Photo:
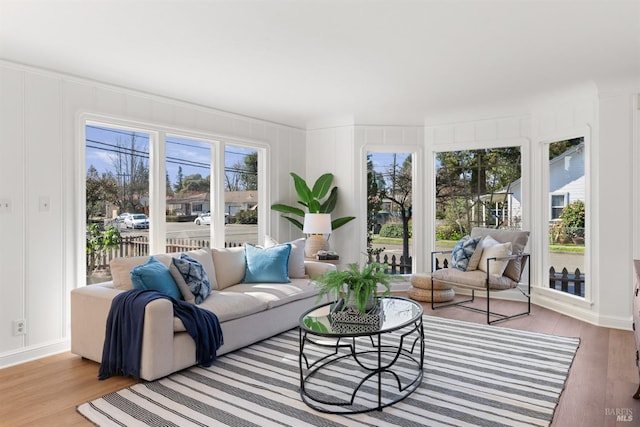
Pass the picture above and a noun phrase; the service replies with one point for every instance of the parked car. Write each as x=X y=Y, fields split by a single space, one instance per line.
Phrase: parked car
x=203 y=218
x=136 y=221
x=122 y=216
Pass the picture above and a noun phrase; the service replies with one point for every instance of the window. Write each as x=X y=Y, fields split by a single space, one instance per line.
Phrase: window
x=566 y=228
x=150 y=191
x=117 y=196
x=241 y=194
x=558 y=202
x=390 y=209
x=476 y=188
x=188 y=193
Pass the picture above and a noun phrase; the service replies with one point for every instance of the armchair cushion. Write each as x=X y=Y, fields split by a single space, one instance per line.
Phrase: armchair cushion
x=518 y=241
x=471 y=279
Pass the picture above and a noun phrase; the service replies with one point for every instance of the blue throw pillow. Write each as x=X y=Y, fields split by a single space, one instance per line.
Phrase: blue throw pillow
x=267 y=265
x=463 y=251
x=155 y=275
x=194 y=275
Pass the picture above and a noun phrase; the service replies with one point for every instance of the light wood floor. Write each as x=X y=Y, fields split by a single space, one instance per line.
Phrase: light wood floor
x=602 y=380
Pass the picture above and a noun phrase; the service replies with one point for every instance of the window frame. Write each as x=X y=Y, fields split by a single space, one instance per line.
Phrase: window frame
x=157 y=180
x=565 y=202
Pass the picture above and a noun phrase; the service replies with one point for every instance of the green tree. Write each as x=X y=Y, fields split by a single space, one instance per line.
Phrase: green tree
x=398 y=191
x=249 y=176
x=100 y=190
x=474 y=182
x=195 y=184
x=177 y=187
x=374 y=205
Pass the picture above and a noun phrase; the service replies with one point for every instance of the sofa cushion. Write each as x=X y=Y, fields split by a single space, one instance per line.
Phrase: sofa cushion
x=470 y=279
x=490 y=249
x=296 y=258
x=518 y=241
x=194 y=276
x=154 y=275
x=277 y=294
x=463 y=252
x=228 y=305
x=231 y=266
x=121 y=269
x=267 y=265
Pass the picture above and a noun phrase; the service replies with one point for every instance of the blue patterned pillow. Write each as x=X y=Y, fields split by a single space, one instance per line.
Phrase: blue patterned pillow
x=194 y=275
x=463 y=251
x=267 y=265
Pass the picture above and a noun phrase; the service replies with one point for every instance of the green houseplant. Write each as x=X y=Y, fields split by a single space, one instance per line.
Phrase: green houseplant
x=357 y=286
x=312 y=199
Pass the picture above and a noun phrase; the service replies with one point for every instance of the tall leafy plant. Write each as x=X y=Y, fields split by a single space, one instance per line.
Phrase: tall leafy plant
x=313 y=199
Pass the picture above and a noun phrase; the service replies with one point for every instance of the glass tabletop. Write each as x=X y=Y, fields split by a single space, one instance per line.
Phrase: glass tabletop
x=395 y=313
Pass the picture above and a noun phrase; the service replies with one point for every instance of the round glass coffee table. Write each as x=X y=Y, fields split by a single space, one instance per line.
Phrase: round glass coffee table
x=348 y=367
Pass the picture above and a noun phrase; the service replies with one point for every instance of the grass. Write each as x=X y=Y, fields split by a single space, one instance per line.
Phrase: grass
x=569 y=247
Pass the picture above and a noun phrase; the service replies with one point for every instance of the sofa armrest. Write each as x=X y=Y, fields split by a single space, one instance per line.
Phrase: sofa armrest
x=313 y=268
x=90 y=306
x=157 y=340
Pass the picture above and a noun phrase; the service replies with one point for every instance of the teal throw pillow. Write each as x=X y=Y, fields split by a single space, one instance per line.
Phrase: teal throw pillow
x=267 y=265
x=194 y=276
x=463 y=251
x=154 y=275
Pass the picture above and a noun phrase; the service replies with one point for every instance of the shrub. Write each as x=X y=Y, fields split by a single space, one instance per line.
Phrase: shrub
x=572 y=218
x=247 y=217
x=393 y=230
x=448 y=232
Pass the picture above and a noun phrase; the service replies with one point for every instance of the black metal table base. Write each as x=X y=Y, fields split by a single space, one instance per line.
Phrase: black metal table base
x=387 y=366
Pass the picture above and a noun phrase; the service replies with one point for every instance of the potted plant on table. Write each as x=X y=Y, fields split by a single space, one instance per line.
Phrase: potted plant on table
x=357 y=287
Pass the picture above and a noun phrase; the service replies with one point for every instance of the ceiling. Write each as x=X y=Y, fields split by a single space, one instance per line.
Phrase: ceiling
x=306 y=62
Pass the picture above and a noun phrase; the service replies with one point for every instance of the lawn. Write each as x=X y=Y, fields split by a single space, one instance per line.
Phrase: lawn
x=569 y=247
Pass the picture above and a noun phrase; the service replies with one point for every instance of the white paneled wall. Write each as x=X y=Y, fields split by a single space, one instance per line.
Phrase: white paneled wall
x=39 y=162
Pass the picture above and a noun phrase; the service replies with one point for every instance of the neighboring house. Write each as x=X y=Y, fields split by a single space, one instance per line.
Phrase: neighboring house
x=194 y=204
x=566 y=180
x=237 y=201
x=566 y=185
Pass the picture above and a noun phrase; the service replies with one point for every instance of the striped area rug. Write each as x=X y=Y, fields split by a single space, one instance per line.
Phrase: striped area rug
x=474 y=375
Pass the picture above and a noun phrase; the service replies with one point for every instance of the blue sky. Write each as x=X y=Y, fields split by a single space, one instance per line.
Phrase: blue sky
x=192 y=155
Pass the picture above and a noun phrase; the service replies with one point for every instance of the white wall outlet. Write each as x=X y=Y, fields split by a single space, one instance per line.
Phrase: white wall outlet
x=44 y=203
x=5 y=205
x=19 y=327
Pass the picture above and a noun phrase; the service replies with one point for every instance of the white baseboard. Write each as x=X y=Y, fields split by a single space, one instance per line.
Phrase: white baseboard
x=27 y=354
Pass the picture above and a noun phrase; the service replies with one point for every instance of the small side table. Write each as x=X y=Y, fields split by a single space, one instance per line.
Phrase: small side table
x=420 y=289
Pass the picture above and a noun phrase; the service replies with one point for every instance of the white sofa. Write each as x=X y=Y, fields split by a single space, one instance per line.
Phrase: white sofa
x=248 y=312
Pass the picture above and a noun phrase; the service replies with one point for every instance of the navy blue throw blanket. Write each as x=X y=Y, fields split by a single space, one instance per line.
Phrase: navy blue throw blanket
x=122 y=349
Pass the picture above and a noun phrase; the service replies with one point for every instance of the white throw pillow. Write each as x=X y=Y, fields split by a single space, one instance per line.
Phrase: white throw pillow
x=296 y=258
x=490 y=249
x=230 y=266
